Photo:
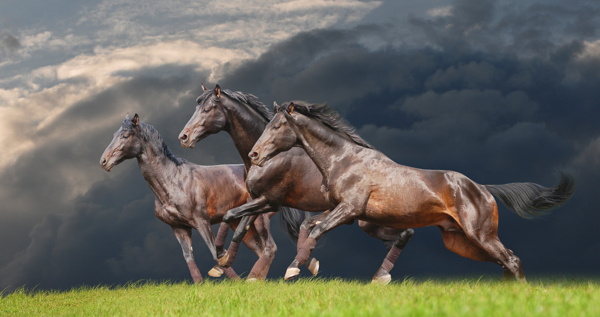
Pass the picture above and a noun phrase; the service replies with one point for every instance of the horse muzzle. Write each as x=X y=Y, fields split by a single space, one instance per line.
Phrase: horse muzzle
x=256 y=159
x=106 y=165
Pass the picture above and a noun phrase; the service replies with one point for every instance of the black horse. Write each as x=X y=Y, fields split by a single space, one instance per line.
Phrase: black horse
x=188 y=195
x=365 y=184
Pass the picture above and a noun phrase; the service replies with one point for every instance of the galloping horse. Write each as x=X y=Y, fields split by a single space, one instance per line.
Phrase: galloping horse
x=365 y=184
x=290 y=179
x=188 y=195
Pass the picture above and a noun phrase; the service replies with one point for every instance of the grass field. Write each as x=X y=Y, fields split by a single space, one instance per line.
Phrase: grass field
x=317 y=297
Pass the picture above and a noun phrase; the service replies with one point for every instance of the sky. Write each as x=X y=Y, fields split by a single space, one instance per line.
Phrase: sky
x=501 y=91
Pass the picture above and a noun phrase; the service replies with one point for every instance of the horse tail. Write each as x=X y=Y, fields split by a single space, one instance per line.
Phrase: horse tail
x=291 y=220
x=530 y=200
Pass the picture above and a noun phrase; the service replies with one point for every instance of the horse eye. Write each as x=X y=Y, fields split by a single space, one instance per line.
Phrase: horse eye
x=276 y=127
x=206 y=109
x=125 y=136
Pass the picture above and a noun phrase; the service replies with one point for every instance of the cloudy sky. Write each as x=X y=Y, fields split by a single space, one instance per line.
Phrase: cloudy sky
x=501 y=91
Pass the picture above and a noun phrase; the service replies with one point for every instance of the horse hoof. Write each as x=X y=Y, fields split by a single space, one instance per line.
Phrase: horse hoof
x=313 y=267
x=291 y=273
x=251 y=279
x=223 y=260
x=215 y=272
x=382 y=280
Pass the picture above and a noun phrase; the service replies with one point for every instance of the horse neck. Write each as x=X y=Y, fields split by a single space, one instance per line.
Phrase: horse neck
x=157 y=168
x=324 y=146
x=245 y=126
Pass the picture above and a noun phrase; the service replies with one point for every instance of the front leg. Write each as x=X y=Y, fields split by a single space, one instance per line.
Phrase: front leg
x=184 y=236
x=343 y=213
x=254 y=207
x=307 y=225
x=205 y=230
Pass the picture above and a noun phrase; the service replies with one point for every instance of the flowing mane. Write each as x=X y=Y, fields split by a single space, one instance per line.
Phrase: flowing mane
x=245 y=98
x=328 y=117
x=150 y=135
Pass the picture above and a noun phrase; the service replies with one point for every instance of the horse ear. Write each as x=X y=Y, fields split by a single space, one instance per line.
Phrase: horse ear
x=136 y=120
x=127 y=117
x=291 y=108
x=218 y=91
x=275 y=106
x=203 y=88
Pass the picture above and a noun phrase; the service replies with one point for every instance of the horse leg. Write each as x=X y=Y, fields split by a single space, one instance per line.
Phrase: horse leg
x=479 y=241
x=394 y=239
x=218 y=269
x=307 y=225
x=252 y=207
x=343 y=213
x=261 y=267
x=184 y=236
x=242 y=229
x=206 y=232
x=460 y=244
x=220 y=240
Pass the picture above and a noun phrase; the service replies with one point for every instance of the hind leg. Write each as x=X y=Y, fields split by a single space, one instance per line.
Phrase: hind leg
x=394 y=239
x=488 y=249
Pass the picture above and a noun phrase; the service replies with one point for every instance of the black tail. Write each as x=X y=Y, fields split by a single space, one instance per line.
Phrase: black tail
x=291 y=220
x=530 y=200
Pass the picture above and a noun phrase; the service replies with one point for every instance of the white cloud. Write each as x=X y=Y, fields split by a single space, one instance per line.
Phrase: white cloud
x=591 y=51
x=119 y=37
x=440 y=11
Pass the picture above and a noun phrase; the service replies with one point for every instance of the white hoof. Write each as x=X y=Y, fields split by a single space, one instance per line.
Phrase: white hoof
x=291 y=272
x=251 y=279
x=382 y=280
x=224 y=259
x=313 y=266
x=215 y=272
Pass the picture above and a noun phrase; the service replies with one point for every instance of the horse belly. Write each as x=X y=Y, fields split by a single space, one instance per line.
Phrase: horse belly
x=409 y=210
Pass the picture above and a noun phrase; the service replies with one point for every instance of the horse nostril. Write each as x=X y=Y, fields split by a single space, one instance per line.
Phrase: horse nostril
x=253 y=155
x=104 y=161
x=184 y=137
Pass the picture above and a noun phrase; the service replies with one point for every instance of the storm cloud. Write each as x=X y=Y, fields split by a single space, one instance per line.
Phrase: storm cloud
x=8 y=44
x=501 y=93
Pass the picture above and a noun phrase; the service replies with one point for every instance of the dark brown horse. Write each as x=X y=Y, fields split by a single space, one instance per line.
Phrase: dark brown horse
x=290 y=179
x=365 y=184
x=188 y=195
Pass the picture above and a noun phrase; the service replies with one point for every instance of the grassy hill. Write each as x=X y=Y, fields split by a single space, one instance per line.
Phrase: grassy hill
x=316 y=297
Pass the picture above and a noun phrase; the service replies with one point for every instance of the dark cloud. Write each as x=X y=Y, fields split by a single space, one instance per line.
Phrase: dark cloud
x=494 y=96
x=8 y=44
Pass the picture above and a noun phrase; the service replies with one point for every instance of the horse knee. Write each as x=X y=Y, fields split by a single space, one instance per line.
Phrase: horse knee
x=404 y=238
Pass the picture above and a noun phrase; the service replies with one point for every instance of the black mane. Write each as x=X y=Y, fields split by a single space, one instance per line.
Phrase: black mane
x=248 y=99
x=149 y=134
x=328 y=117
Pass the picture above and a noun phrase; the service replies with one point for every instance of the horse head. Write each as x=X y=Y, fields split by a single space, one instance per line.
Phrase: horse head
x=126 y=144
x=209 y=118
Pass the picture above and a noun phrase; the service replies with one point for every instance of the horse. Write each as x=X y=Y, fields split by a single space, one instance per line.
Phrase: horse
x=290 y=179
x=365 y=184
x=189 y=196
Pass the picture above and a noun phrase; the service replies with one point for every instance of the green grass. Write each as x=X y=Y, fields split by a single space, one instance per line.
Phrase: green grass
x=316 y=297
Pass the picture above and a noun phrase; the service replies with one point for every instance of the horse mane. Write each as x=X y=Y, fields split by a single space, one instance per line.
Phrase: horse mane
x=149 y=134
x=328 y=117
x=245 y=98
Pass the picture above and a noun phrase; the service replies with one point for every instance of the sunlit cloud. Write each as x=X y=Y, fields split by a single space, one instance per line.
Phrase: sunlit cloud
x=440 y=11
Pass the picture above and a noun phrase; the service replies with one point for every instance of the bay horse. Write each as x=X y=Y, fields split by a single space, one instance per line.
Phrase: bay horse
x=290 y=179
x=190 y=196
x=365 y=184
